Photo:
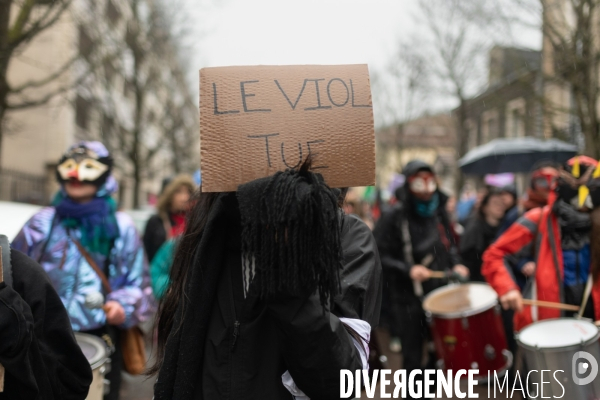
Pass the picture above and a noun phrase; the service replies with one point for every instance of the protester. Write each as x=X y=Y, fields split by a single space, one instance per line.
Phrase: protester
x=480 y=232
x=565 y=237
x=41 y=358
x=452 y=214
x=543 y=177
x=414 y=239
x=160 y=267
x=511 y=205
x=82 y=230
x=169 y=221
x=465 y=204
x=353 y=204
x=254 y=310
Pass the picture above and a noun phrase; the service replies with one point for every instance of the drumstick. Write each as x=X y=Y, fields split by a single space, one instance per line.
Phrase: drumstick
x=439 y=274
x=1 y=366
x=550 y=304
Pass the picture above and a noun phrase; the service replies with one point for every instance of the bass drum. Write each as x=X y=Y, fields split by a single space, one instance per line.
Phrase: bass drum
x=566 y=344
x=467 y=329
x=97 y=355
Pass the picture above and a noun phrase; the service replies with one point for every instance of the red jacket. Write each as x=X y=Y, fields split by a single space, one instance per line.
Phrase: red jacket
x=539 y=225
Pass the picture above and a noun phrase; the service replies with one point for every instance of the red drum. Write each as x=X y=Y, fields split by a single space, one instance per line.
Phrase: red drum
x=467 y=329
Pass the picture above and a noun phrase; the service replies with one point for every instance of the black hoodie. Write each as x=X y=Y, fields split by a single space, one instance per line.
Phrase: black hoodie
x=37 y=346
x=429 y=236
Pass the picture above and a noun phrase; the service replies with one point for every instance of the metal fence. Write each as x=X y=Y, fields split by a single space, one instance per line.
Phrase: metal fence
x=22 y=187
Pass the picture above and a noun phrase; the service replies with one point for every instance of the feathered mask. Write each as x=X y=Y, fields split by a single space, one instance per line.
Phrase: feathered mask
x=579 y=183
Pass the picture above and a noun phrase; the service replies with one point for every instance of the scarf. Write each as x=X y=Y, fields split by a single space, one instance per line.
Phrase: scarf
x=427 y=209
x=96 y=220
x=575 y=226
x=177 y=224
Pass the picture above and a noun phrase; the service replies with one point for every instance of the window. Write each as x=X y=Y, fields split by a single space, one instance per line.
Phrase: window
x=86 y=45
x=515 y=118
x=82 y=112
x=471 y=131
x=489 y=126
x=516 y=123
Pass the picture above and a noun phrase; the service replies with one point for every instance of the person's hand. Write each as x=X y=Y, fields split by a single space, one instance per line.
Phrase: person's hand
x=461 y=270
x=115 y=313
x=420 y=273
x=512 y=300
x=528 y=269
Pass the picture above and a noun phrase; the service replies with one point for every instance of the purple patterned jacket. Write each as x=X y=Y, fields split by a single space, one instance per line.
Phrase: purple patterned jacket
x=76 y=281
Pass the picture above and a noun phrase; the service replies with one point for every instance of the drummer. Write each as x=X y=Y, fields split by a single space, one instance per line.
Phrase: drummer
x=562 y=243
x=414 y=239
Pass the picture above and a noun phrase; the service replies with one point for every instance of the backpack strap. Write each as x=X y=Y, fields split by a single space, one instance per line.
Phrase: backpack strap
x=6 y=265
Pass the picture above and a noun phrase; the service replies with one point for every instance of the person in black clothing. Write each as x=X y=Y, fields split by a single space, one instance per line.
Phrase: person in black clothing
x=414 y=239
x=511 y=205
x=172 y=207
x=273 y=291
x=480 y=232
x=37 y=347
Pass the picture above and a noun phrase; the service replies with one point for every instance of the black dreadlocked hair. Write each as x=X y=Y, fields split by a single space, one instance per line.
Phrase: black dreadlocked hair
x=291 y=233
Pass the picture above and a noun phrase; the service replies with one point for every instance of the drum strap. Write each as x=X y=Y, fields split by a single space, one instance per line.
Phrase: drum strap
x=534 y=309
x=6 y=264
x=536 y=253
x=408 y=254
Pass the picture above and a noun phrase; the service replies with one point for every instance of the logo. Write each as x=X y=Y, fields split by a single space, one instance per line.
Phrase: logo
x=580 y=368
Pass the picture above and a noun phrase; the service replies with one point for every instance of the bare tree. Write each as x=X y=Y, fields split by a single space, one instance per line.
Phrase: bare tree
x=32 y=18
x=156 y=75
x=455 y=48
x=571 y=30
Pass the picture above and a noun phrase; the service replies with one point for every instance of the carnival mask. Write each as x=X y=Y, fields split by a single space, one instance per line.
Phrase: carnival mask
x=84 y=165
x=579 y=183
x=422 y=185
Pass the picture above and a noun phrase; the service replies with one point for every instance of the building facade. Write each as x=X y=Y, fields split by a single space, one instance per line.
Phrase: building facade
x=429 y=138
x=99 y=41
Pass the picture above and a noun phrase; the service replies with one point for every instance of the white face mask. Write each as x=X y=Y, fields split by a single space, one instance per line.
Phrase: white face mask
x=423 y=186
x=87 y=170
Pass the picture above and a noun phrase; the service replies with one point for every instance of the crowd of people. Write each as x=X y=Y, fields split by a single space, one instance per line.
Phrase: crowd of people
x=257 y=284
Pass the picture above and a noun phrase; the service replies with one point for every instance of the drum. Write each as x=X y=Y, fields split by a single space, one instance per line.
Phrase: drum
x=566 y=344
x=96 y=353
x=466 y=325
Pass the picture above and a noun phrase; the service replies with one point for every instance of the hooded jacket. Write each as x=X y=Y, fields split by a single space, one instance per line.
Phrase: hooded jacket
x=538 y=227
x=158 y=227
x=37 y=347
x=429 y=236
x=43 y=238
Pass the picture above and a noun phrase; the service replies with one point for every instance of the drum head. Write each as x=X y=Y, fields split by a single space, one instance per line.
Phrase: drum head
x=456 y=301
x=558 y=333
x=93 y=348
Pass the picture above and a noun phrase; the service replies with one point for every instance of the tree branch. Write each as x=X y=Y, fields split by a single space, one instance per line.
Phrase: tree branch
x=46 y=80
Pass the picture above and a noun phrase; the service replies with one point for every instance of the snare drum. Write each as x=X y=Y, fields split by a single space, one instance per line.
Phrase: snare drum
x=94 y=349
x=467 y=330
x=554 y=344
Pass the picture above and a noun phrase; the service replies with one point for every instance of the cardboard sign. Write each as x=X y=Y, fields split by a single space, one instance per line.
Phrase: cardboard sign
x=255 y=121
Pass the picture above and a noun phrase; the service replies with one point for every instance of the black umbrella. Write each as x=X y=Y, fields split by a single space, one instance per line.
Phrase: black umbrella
x=514 y=155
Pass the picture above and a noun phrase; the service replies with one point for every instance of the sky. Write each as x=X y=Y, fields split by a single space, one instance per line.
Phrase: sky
x=251 y=32
x=280 y=32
